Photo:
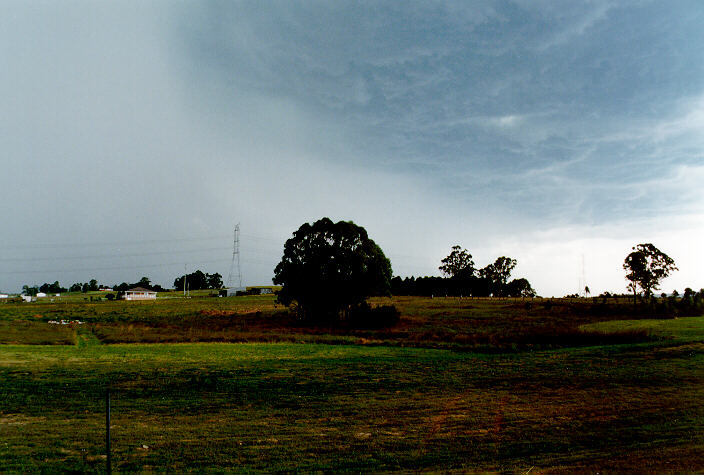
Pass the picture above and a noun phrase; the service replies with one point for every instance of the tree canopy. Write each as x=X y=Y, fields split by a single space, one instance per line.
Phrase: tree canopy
x=646 y=266
x=329 y=268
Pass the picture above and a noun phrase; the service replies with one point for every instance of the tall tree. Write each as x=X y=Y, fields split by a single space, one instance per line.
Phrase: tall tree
x=458 y=263
x=329 y=268
x=646 y=266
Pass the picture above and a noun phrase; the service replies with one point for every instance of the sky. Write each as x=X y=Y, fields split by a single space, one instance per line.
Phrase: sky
x=134 y=136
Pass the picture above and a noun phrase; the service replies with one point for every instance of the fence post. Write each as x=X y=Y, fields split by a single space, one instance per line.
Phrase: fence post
x=107 y=429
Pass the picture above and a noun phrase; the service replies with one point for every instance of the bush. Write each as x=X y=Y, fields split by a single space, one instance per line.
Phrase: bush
x=110 y=296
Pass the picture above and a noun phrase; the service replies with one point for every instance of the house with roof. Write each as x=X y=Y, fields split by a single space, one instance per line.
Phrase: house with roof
x=140 y=293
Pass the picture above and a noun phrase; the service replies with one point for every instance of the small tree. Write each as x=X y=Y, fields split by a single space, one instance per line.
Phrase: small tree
x=520 y=288
x=27 y=290
x=214 y=281
x=329 y=268
x=93 y=285
x=646 y=267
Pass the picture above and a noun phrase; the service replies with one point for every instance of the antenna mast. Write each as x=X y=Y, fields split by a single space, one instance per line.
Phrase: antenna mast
x=235 y=257
x=583 y=287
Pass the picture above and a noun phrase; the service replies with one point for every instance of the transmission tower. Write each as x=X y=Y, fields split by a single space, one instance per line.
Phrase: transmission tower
x=235 y=257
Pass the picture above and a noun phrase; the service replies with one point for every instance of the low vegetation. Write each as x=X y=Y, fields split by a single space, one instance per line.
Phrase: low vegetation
x=479 y=324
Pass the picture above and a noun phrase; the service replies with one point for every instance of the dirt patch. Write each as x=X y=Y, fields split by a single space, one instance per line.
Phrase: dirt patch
x=11 y=362
x=218 y=313
x=19 y=420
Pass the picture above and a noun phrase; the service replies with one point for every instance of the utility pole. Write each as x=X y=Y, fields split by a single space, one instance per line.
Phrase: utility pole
x=185 y=276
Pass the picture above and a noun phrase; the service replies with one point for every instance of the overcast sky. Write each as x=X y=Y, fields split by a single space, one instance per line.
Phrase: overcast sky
x=135 y=135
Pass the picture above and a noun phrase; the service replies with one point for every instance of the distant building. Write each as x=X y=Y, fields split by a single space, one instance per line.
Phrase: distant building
x=4 y=296
x=233 y=291
x=41 y=294
x=140 y=293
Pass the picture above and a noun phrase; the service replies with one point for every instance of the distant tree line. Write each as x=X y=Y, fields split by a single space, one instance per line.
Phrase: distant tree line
x=199 y=280
x=461 y=278
x=144 y=282
x=195 y=281
x=47 y=288
x=90 y=286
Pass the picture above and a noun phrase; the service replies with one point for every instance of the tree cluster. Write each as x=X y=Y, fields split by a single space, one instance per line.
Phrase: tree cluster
x=91 y=286
x=46 y=287
x=198 y=281
x=463 y=279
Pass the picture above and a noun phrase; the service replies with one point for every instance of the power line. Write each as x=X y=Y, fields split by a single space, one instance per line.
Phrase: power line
x=93 y=269
x=107 y=256
x=44 y=245
x=114 y=243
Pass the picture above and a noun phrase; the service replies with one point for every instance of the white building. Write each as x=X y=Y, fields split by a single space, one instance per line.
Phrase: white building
x=139 y=293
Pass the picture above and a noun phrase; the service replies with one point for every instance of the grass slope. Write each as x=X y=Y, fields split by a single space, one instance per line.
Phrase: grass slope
x=320 y=407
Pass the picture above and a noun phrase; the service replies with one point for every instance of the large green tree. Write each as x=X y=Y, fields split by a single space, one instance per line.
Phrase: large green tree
x=458 y=263
x=328 y=268
x=646 y=266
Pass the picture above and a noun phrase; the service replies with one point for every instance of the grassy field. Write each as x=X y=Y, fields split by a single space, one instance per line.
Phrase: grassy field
x=372 y=401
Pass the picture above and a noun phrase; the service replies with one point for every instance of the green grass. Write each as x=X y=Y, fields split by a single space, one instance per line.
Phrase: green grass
x=679 y=329
x=319 y=407
x=385 y=403
x=24 y=332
